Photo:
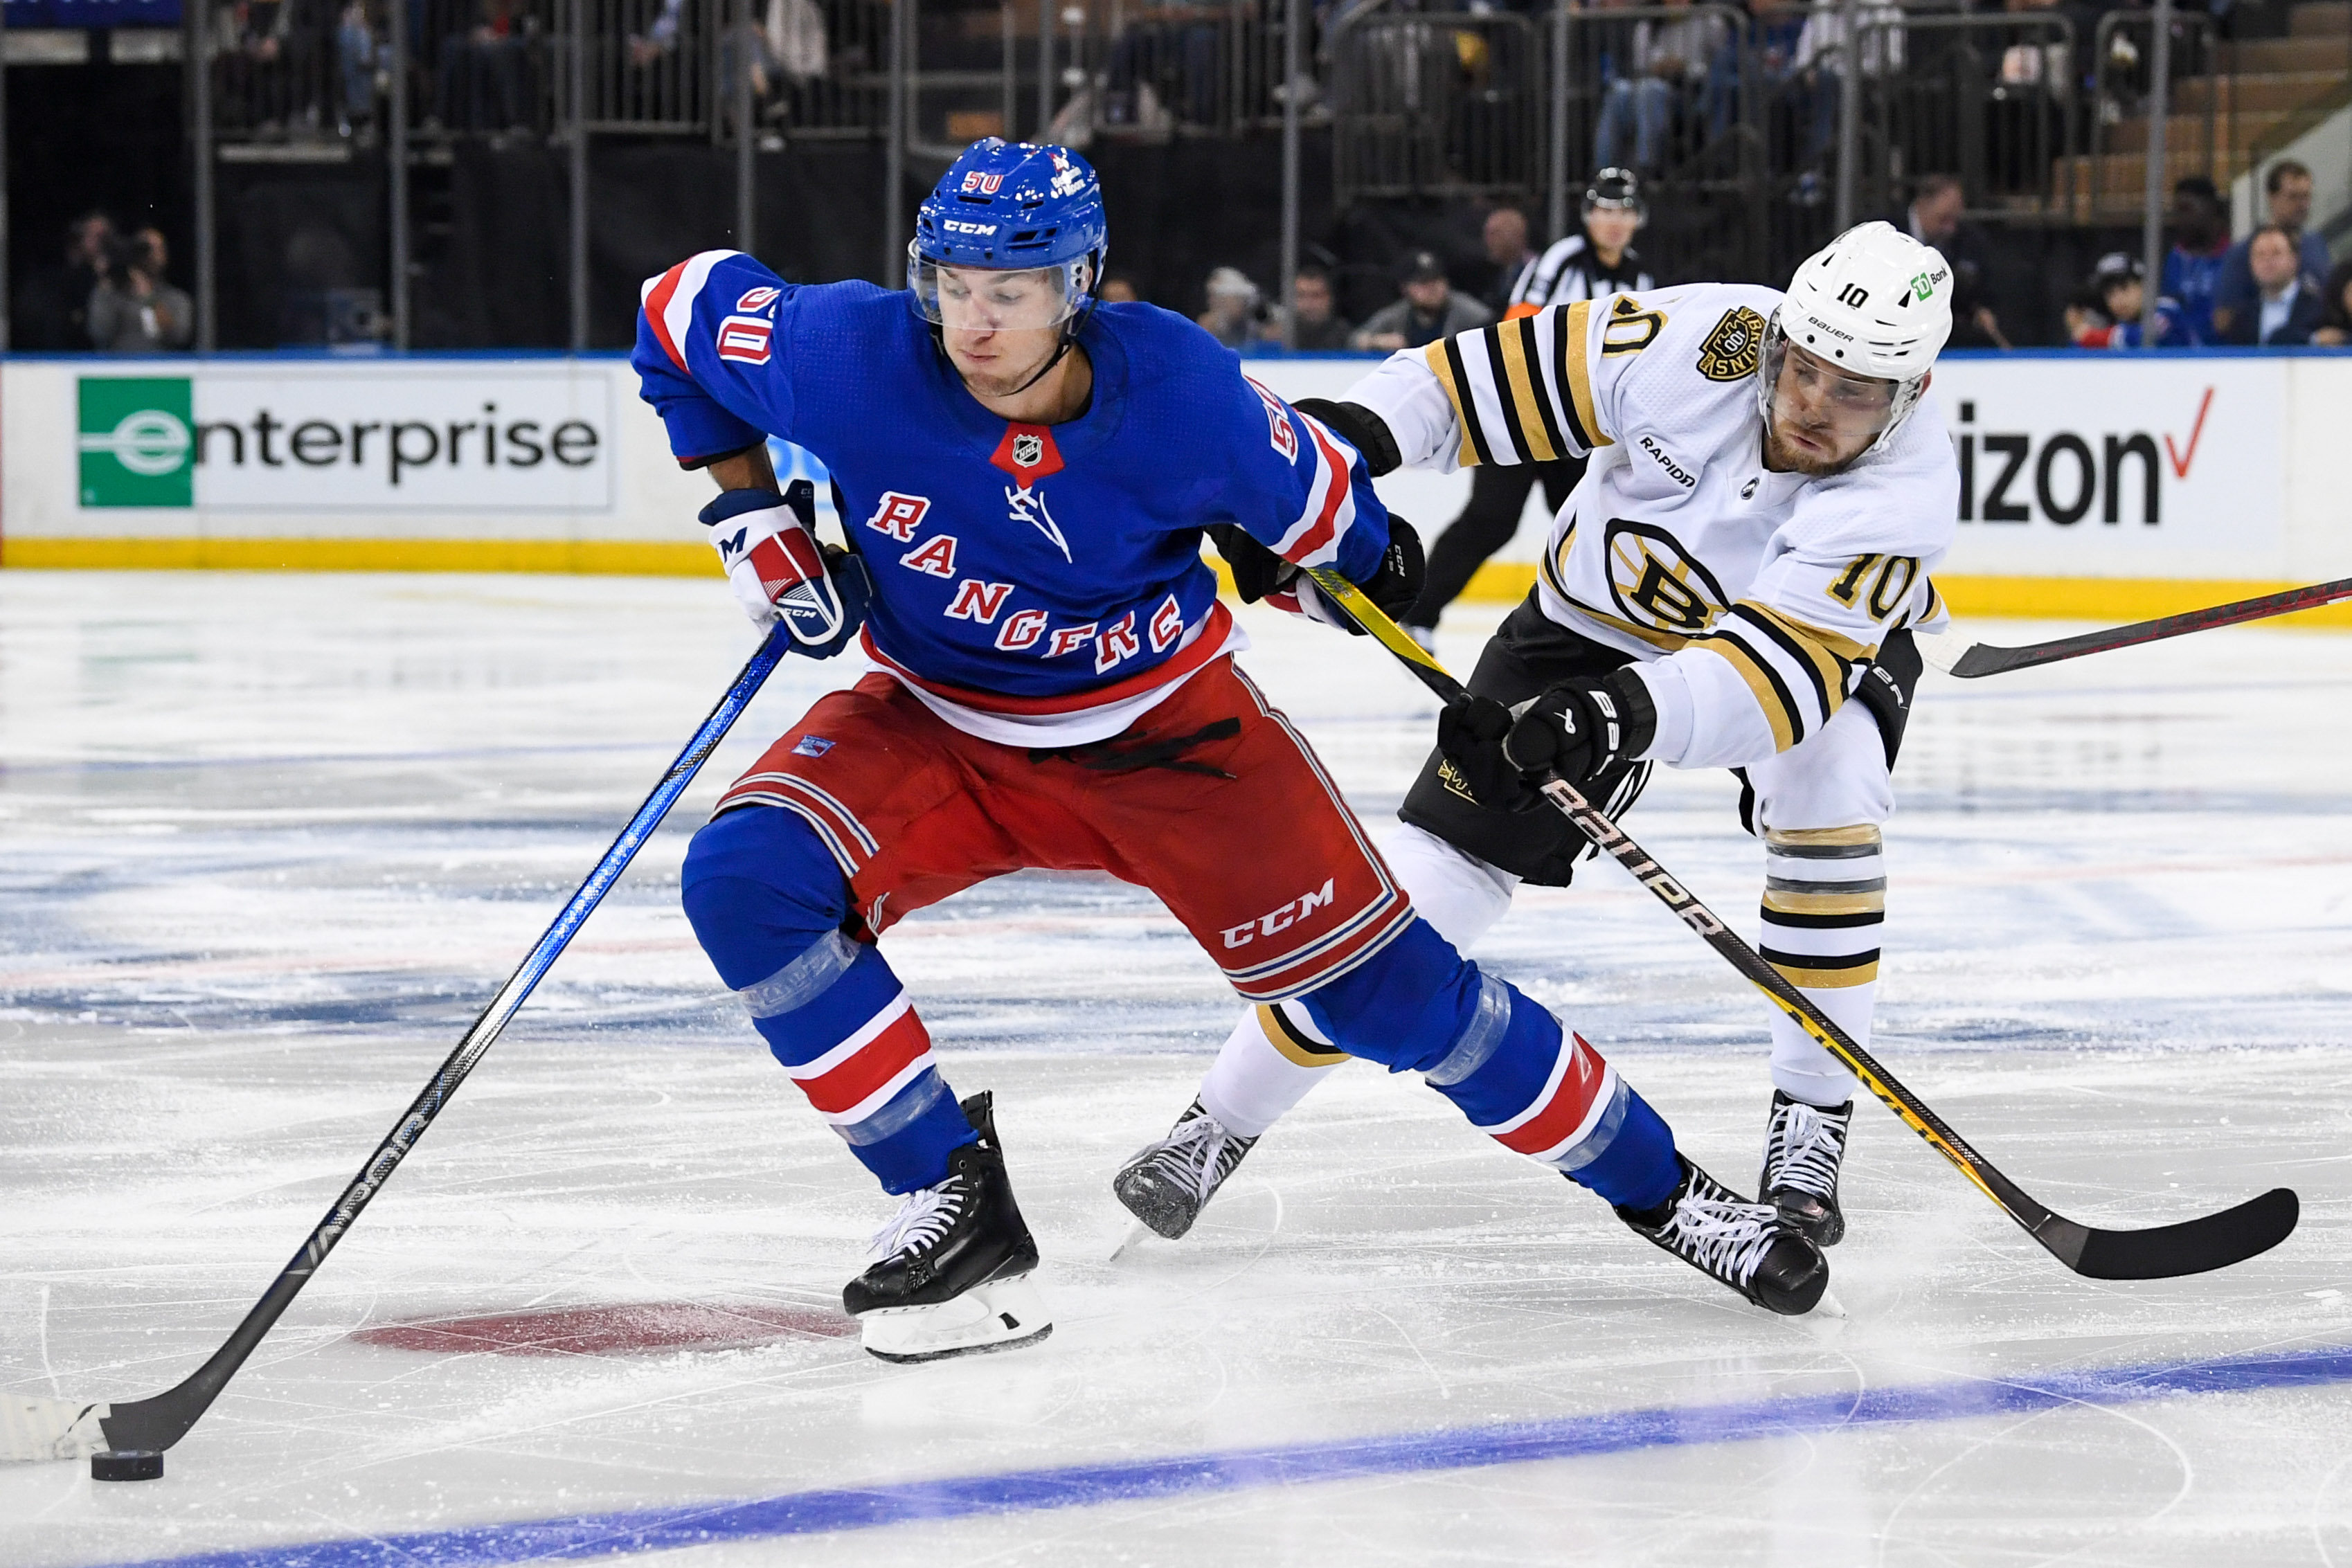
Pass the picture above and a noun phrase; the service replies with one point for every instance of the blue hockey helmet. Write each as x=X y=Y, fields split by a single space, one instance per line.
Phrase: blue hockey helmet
x=1012 y=206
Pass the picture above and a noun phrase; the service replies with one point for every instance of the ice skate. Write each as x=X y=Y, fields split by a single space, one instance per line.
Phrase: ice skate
x=952 y=1270
x=1748 y=1246
x=1167 y=1184
x=1803 y=1145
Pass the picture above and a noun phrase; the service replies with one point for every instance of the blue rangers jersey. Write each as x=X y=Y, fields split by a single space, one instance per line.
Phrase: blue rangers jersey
x=1034 y=585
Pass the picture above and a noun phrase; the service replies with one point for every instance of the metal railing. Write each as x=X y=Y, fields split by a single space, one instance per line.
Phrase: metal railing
x=2123 y=58
x=1451 y=102
x=1756 y=138
x=1991 y=98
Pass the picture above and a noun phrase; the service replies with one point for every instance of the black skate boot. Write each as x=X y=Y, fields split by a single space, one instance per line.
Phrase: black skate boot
x=1803 y=1145
x=1170 y=1182
x=1748 y=1246
x=953 y=1277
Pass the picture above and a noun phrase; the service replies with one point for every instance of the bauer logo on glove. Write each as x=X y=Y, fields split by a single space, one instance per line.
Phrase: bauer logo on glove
x=778 y=571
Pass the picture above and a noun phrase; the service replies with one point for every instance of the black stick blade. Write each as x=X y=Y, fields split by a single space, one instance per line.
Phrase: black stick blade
x=2192 y=1247
x=1986 y=660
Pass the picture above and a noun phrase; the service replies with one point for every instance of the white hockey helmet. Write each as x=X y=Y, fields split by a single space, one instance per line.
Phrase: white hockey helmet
x=1873 y=302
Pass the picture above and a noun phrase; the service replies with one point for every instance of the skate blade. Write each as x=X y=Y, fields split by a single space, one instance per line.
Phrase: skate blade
x=999 y=1315
x=1136 y=1232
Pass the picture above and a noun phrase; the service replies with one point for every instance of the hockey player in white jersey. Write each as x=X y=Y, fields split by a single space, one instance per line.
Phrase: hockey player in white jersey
x=1595 y=262
x=1732 y=585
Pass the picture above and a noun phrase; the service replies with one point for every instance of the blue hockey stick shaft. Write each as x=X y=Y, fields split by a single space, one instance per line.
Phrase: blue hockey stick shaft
x=160 y=1422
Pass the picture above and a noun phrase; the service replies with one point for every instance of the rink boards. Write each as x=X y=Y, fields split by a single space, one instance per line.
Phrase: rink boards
x=2093 y=485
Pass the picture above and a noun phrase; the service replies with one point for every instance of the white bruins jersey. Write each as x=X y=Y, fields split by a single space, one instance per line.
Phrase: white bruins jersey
x=1753 y=599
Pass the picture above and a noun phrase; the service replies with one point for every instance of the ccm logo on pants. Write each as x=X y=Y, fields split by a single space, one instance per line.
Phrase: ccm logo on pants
x=1280 y=918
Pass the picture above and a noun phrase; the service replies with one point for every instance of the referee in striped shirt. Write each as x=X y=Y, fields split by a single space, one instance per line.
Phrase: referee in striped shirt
x=1598 y=261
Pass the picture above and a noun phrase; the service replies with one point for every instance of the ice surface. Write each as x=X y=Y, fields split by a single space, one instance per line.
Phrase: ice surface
x=267 y=842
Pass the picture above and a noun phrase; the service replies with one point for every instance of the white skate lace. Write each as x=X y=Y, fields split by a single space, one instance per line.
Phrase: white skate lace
x=1726 y=1236
x=1199 y=1154
x=1803 y=1150
x=929 y=1213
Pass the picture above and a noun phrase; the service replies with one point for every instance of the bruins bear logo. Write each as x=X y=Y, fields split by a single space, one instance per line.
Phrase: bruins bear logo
x=1730 y=350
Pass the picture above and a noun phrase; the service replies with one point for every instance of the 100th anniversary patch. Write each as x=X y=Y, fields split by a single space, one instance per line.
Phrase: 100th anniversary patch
x=1731 y=350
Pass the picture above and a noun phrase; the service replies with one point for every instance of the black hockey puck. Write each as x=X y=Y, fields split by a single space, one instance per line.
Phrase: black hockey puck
x=127 y=1465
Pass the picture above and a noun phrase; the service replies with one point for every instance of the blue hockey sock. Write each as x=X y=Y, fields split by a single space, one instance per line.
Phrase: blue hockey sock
x=1504 y=1062
x=767 y=901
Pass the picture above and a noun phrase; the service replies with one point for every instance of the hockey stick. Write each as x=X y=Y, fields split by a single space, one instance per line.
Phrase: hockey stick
x=2192 y=1247
x=45 y=1429
x=1969 y=659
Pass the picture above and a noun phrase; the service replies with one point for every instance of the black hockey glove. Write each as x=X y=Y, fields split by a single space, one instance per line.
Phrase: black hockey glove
x=1259 y=573
x=1257 y=570
x=1574 y=730
x=1396 y=587
x=1360 y=428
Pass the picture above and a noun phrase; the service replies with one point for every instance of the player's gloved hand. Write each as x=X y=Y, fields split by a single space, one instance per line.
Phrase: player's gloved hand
x=768 y=544
x=1360 y=428
x=1259 y=573
x=1395 y=587
x=1575 y=730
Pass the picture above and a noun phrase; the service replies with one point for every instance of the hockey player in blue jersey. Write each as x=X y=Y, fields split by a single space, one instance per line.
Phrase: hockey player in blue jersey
x=1026 y=479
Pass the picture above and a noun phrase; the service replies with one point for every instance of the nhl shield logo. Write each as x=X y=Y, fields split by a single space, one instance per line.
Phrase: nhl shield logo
x=1027 y=453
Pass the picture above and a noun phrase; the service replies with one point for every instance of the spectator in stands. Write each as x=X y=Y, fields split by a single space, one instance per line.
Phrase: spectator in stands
x=52 y=304
x=1668 y=60
x=2200 y=237
x=1934 y=218
x=481 y=85
x=2287 y=306
x=1322 y=328
x=1231 y=316
x=133 y=309
x=2119 y=284
x=1119 y=288
x=1431 y=308
x=1506 y=237
x=2335 y=328
x=274 y=63
x=355 y=58
x=2288 y=188
x=1819 y=65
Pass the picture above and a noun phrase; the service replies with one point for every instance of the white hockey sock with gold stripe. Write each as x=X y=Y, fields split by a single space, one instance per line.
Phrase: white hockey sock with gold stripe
x=1824 y=904
x=1275 y=1055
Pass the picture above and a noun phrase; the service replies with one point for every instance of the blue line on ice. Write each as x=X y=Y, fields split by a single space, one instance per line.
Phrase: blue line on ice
x=1293 y=1464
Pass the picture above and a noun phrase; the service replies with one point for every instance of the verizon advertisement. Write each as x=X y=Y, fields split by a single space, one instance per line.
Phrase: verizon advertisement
x=2103 y=466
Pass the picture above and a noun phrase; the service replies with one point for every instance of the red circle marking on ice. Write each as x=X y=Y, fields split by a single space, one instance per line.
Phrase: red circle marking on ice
x=621 y=1328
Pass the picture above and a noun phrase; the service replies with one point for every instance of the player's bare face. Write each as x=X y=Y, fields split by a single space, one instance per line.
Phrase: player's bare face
x=1000 y=328
x=1823 y=418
